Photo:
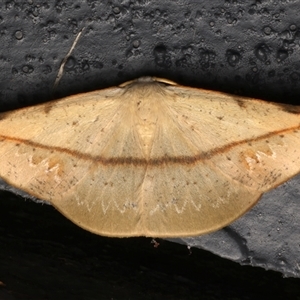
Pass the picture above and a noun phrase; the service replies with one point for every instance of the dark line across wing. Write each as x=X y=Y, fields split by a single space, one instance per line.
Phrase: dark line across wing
x=185 y=160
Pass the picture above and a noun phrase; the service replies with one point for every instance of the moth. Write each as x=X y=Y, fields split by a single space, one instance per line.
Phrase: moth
x=150 y=157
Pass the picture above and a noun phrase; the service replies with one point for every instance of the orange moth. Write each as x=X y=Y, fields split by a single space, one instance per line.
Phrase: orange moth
x=150 y=157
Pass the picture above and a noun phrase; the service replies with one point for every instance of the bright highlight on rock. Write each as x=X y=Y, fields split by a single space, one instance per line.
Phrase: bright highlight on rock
x=150 y=158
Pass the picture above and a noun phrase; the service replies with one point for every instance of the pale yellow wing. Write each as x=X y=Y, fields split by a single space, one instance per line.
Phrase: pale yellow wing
x=229 y=150
x=150 y=158
x=64 y=152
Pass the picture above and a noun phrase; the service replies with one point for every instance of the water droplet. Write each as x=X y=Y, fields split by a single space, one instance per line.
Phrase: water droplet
x=294 y=76
x=51 y=34
x=251 y=11
x=14 y=71
x=207 y=58
x=233 y=57
x=35 y=11
x=286 y=35
x=116 y=10
x=262 y=52
x=9 y=5
x=29 y=57
x=233 y=21
x=286 y=45
x=282 y=55
x=70 y=63
x=293 y=27
x=230 y=19
x=27 y=69
x=18 y=34
x=85 y=65
x=162 y=59
x=73 y=25
x=136 y=43
x=211 y=23
x=47 y=69
x=60 y=5
x=260 y=216
x=267 y=30
x=111 y=18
